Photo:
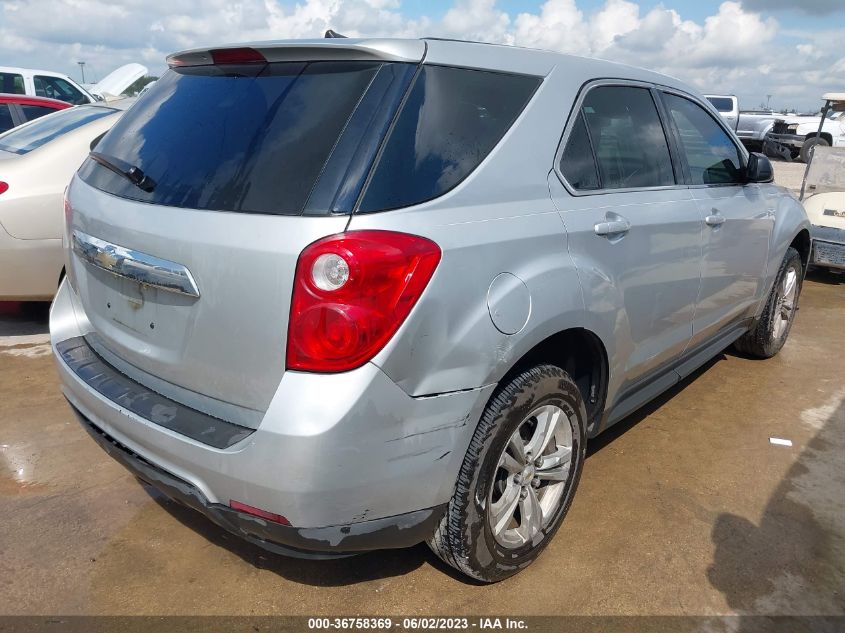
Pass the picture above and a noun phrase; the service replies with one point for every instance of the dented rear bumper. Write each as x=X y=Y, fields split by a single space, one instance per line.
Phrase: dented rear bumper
x=350 y=460
x=327 y=542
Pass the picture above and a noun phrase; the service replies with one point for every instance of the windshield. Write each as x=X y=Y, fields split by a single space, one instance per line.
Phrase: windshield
x=28 y=137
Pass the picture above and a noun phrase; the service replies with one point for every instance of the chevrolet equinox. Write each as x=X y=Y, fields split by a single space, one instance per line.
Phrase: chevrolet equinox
x=349 y=294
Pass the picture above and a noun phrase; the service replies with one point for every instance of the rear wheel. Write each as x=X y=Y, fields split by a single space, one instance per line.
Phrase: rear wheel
x=518 y=477
x=769 y=335
x=809 y=145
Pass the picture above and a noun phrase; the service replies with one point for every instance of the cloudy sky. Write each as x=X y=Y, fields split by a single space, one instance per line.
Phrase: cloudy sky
x=790 y=49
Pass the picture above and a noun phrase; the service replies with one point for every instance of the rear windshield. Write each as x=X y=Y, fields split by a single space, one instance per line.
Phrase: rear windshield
x=722 y=104
x=289 y=138
x=234 y=138
x=40 y=132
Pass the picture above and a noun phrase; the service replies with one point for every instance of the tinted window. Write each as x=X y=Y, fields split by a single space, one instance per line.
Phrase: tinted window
x=250 y=139
x=628 y=138
x=451 y=120
x=35 y=134
x=31 y=112
x=722 y=104
x=712 y=156
x=6 y=122
x=58 y=88
x=11 y=83
x=578 y=165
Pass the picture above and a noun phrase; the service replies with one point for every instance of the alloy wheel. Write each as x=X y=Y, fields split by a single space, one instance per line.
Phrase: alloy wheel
x=531 y=476
x=785 y=304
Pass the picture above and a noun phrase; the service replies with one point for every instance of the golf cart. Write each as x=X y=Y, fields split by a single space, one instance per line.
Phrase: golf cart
x=823 y=195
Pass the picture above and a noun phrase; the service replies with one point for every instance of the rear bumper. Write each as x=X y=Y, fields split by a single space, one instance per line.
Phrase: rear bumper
x=828 y=247
x=390 y=532
x=350 y=459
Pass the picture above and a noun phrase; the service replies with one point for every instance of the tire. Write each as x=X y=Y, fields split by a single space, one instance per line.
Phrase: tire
x=809 y=144
x=465 y=538
x=768 y=336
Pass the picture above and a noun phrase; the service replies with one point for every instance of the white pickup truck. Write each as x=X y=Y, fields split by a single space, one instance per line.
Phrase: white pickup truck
x=795 y=137
x=751 y=126
x=46 y=83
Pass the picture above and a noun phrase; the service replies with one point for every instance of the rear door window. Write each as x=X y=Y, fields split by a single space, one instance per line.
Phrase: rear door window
x=58 y=88
x=628 y=138
x=12 y=83
x=250 y=139
x=31 y=112
x=451 y=120
x=578 y=164
x=711 y=155
x=6 y=121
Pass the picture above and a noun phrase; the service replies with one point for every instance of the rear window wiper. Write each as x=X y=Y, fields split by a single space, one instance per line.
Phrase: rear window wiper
x=133 y=174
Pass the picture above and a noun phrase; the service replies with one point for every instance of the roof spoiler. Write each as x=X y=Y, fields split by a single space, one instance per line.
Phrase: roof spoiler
x=329 y=48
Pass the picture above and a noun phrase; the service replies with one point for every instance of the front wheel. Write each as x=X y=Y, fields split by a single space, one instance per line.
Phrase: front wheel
x=809 y=145
x=518 y=477
x=767 y=338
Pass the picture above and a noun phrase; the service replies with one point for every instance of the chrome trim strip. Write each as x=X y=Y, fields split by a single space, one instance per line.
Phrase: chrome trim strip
x=140 y=267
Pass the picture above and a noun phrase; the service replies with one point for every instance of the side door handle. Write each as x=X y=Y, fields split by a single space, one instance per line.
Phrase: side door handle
x=615 y=227
x=715 y=219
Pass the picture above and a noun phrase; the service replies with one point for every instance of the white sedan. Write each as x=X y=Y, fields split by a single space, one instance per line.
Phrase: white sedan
x=37 y=161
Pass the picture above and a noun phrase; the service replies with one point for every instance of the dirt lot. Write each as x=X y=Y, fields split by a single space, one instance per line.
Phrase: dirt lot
x=686 y=508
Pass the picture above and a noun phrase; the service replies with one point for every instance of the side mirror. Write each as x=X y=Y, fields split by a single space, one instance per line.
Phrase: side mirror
x=759 y=169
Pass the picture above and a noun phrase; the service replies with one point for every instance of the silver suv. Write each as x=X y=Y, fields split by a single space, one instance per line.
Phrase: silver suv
x=342 y=295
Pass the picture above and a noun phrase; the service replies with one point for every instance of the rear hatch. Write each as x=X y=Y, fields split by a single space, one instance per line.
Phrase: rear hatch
x=237 y=167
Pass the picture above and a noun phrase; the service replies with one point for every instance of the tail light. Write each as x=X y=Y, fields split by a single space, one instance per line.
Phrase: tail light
x=4 y=186
x=68 y=212
x=351 y=293
x=219 y=56
x=237 y=56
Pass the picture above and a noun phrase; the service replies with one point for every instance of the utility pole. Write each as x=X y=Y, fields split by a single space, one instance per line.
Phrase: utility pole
x=82 y=69
x=768 y=98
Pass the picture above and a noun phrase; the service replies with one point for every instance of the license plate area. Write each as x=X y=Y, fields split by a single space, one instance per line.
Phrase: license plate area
x=138 y=317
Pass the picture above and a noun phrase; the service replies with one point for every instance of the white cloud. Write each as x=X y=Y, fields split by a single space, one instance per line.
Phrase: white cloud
x=734 y=50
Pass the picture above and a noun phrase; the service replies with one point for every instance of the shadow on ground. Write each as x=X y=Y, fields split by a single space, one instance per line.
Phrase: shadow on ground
x=826 y=276
x=620 y=428
x=23 y=319
x=793 y=561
